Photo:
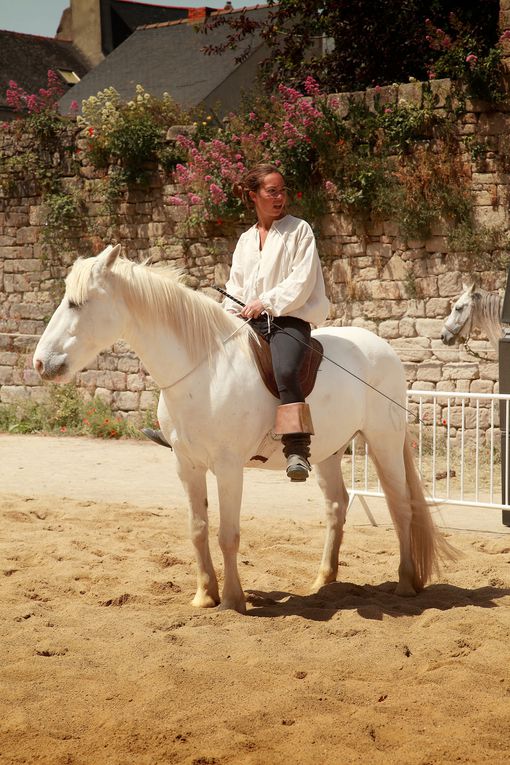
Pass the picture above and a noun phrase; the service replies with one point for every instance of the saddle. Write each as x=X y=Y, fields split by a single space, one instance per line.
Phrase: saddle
x=309 y=367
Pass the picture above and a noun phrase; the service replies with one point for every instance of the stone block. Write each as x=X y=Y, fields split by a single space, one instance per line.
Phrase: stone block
x=340 y=103
x=410 y=93
x=352 y=250
x=481 y=386
x=104 y=395
x=430 y=328
x=12 y=394
x=386 y=290
x=30 y=377
x=437 y=244
x=135 y=382
x=422 y=384
x=427 y=285
x=407 y=328
x=379 y=251
x=430 y=371
x=395 y=269
x=129 y=364
x=148 y=400
x=27 y=235
x=410 y=370
x=490 y=216
x=493 y=123
x=334 y=224
x=449 y=284
x=389 y=329
x=460 y=371
x=6 y=375
x=341 y=272
x=437 y=307
x=126 y=400
x=442 y=90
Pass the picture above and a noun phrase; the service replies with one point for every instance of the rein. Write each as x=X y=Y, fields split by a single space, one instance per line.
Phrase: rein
x=477 y=355
x=369 y=385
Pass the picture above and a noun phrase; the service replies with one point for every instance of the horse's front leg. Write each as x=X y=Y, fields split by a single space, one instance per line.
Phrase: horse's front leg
x=193 y=480
x=230 y=488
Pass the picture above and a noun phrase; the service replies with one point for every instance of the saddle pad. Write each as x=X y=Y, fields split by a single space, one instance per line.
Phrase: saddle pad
x=309 y=368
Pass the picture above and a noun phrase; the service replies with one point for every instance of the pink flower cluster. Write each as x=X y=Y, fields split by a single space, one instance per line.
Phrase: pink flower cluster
x=214 y=166
x=437 y=38
x=33 y=103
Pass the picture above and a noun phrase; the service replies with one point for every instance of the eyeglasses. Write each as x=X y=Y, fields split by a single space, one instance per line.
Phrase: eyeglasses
x=274 y=193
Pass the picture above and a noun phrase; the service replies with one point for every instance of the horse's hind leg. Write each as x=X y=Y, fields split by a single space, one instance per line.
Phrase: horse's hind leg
x=330 y=480
x=193 y=480
x=387 y=453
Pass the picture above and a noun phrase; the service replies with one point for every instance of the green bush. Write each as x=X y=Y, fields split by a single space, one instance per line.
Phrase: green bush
x=66 y=411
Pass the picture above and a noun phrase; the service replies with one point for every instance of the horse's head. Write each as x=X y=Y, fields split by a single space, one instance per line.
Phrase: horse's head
x=86 y=321
x=457 y=326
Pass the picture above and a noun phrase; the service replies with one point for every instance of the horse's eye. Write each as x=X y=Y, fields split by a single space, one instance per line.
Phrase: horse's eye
x=458 y=308
x=72 y=305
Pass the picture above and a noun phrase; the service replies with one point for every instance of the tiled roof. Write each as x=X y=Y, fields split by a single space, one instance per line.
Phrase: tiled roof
x=27 y=58
x=166 y=57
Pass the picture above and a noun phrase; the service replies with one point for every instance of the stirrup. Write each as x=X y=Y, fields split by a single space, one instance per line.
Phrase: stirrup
x=156 y=436
x=298 y=467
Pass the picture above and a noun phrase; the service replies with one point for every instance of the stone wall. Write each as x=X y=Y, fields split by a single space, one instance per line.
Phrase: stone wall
x=399 y=289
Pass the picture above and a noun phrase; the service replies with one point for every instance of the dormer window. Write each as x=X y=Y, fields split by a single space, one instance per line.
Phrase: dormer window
x=69 y=76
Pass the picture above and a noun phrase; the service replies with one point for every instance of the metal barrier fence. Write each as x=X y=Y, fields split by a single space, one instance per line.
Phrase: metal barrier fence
x=458 y=449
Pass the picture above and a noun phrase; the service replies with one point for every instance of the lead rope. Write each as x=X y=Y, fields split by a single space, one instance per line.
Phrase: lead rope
x=311 y=348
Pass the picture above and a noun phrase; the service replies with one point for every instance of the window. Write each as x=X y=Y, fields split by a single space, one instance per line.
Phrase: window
x=69 y=76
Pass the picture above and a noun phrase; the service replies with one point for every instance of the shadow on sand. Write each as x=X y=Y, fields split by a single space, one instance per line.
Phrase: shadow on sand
x=371 y=602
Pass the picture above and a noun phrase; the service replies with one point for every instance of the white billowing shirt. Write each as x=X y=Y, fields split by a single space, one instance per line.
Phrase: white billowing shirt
x=285 y=275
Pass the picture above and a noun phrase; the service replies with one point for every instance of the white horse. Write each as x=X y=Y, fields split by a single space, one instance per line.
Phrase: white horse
x=216 y=411
x=474 y=308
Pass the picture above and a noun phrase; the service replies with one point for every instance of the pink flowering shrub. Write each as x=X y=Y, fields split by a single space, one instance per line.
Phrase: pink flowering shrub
x=293 y=129
x=35 y=103
x=460 y=56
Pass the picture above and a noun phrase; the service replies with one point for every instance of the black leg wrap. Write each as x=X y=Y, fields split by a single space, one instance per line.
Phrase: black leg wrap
x=296 y=443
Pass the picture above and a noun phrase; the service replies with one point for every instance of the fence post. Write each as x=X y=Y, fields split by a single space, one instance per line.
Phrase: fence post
x=504 y=387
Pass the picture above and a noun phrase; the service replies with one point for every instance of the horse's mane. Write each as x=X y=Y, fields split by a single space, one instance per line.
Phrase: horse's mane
x=198 y=320
x=488 y=313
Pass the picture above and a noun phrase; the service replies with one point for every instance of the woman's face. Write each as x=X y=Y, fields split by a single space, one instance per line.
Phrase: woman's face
x=271 y=197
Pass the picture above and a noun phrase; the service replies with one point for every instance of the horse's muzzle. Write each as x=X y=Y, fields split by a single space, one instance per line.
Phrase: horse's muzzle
x=447 y=337
x=52 y=369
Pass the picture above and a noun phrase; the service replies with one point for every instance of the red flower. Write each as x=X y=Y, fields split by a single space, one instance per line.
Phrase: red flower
x=219 y=221
x=299 y=195
x=91 y=131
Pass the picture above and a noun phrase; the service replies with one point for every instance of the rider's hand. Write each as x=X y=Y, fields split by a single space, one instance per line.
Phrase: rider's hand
x=253 y=309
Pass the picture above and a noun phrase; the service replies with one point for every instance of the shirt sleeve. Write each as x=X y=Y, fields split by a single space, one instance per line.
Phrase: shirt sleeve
x=293 y=292
x=235 y=283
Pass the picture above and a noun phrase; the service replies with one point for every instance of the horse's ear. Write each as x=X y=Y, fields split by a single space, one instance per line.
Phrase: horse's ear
x=107 y=258
x=469 y=288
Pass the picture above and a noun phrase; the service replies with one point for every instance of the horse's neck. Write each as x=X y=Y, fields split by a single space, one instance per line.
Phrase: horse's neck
x=488 y=316
x=161 y=352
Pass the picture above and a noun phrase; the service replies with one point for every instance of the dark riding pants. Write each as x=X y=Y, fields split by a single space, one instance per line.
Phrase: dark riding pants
x=287 y=352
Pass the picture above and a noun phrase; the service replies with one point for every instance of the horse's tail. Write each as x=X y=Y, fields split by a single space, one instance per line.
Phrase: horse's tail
x=428 y=545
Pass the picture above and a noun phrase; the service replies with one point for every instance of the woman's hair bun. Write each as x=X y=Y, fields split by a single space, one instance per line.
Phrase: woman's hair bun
x=238 y=190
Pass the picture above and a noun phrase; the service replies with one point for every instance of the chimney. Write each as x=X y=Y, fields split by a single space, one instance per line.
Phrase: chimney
x=81 y=23
x=199 y=14
x=228 y=6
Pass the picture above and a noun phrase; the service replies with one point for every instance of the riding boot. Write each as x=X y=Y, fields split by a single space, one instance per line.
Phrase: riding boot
x=294 y=424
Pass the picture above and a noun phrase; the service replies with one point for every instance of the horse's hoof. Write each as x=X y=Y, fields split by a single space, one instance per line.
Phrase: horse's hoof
x=226 y=606
x=322 y=581
x=203 y=600
x=405 y=590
